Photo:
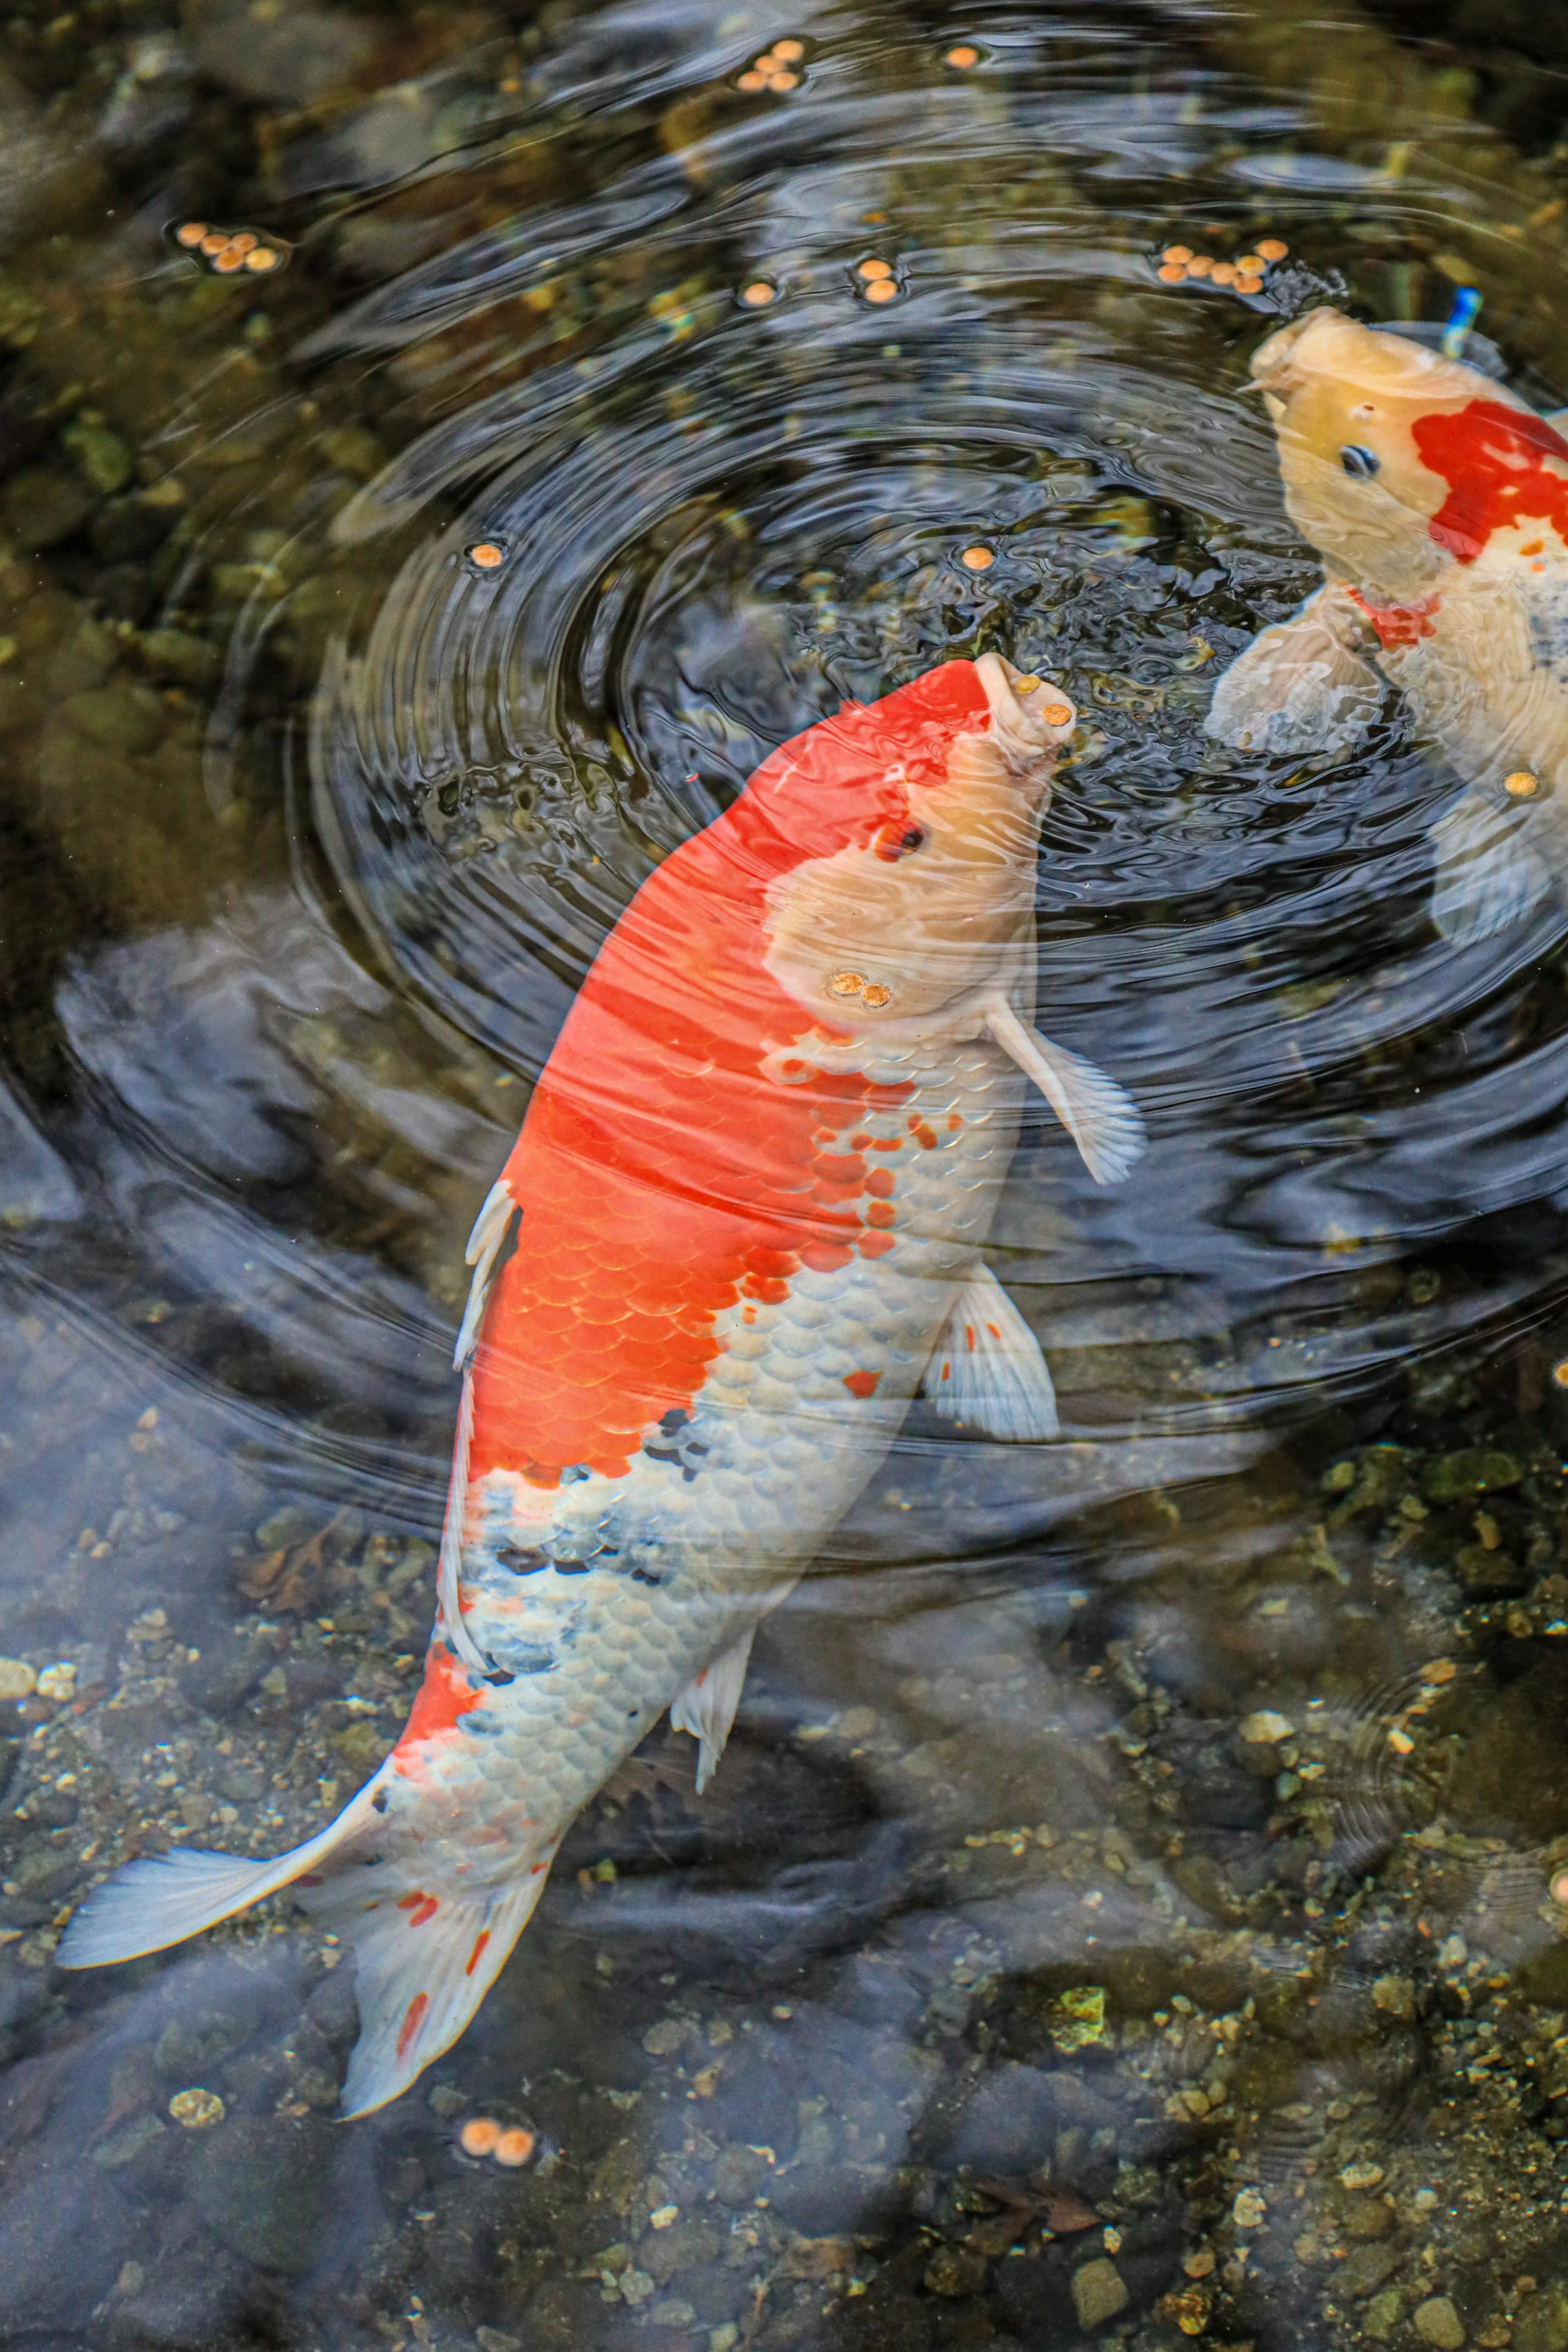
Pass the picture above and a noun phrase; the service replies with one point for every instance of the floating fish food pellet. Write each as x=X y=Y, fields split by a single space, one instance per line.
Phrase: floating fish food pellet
x=789 y=52
x=486 y=554
x=847 y=984
x=1521 y=784
x=1272 y=248
x=882 y=289
x=1245 y=284
x=1251 y=265
x=1560 y=1373
x=1028 y=684
x=873 y=270
x=226 y=251
x=1200 y=265
x=1178 y=255
x=784 y=81
x=1172 y=272
x=751 y=79
x=1225 y=273
x=1056 y=714
x=1559 y=1888
x=265 y=256
x=514 y=2147
x=758 y=294
x=227 y=262
x=963 y=56
x=977 y=559
x=480 y=2136
x=190 y=233
x=197 y=2110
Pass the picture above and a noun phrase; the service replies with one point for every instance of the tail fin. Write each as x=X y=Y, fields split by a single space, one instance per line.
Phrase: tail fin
x=153 y=1903
x=422 y=1966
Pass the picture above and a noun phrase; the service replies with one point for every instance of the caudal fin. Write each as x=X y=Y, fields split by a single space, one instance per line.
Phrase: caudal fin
x=422 y=1966
x=161 y=1900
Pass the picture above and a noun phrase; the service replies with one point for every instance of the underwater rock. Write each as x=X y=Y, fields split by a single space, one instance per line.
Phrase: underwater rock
x=1098 y=2292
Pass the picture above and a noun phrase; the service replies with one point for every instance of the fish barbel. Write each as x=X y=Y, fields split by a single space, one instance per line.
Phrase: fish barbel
x=1438 y=502
x=739 y=1230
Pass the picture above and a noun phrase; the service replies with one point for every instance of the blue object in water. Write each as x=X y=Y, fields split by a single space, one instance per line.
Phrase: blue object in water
x=1461 y=318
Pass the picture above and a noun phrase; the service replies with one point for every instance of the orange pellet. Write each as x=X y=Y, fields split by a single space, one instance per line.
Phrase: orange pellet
x=229 y=260
x=784 y=81
x=873 y=269
x=758 y=294
x=789 y=52
x=1201 y=265
x=1249 y=284
x=1560 y=1887
x=1252 y=265
x=1224 y=273
x=884 y=289
x=190 y=233
x=214 y=242
x=1272 y=249
x=875 y=993
x=1560 y=1373
x=977 y=559
x=486 y=556
x=515 y=2147
x=1172 y=272
x=244 y=241
x=265 y=256
x=1056 y=714
x=751 y=79
x=480 y=2136
x=963 y=56
x=1521 y=784
x=1183 y=253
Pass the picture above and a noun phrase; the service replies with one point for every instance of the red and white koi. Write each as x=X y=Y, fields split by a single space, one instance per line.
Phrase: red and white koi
x=740 y=1230
x=1438 y=502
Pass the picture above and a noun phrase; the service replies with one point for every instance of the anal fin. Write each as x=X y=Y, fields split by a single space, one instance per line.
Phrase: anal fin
x=1487 y=875
x=1100 y=1116
x=988 y=1372
x=706 y=1707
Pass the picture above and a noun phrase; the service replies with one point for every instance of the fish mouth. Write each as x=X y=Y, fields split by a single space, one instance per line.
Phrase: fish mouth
x=1031 y=717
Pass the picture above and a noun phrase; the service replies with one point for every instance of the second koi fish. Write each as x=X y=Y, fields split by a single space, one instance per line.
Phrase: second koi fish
x=740 y=1229
x=1439 y=502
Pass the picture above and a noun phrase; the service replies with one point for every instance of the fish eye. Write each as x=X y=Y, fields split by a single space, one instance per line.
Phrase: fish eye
x=1360 y=462
x=893 y=844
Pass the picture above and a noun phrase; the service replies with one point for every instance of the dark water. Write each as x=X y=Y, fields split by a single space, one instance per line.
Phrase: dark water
x=1123 y=1909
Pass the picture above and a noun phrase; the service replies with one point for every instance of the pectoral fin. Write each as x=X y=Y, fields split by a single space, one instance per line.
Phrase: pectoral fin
x=1100 y=1116
x=492 y=1227
x=706 y=1707
x=988 y=1372
x=1298 y=688
x=1488 y=876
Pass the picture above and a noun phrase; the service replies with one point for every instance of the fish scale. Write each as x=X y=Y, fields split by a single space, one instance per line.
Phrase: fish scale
x=740 y=1230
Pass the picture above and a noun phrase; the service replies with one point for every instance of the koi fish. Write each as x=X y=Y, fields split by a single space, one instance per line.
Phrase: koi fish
x=740 y=1229
x=1439 y=502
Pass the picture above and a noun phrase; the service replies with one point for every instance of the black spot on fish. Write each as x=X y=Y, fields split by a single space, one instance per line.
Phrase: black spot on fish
x=1360 y=462
x=571 y=1567
x=645 y=1576
x=521 y=1562
x=498 y=1676
x=574 y=1474
x=378 y=1803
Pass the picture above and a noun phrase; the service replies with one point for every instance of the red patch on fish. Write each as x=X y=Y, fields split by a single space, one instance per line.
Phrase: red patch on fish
x=1493 y=458
x=1399 y=624
x=413 y=2019
x=687 y=1176
x=420 y=1908
x=474 y=1956
x=861 y=1384
x=445 y=1696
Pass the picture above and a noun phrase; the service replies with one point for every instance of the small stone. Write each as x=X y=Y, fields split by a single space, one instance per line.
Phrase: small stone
x=1396 y=1997
x=959 y=2270
x=198 y=2110
x=669 y=2036
x=665 y=2217
x=723 y=2338
x=1362 y=2173
x=1473 y=1470
x=1437 y=2322
x=636 y=2287
x=1250 y=2208
x=673 y=2312
x=1266 y=1730
x=1366 y=2268
x=58 y=1682
x=1098 y=2292
x=132 y=2141
x=43 y=506
x=495 y=2339
x=100 y=457
x=1368 y=2217
x=1382 y=2314
x=1484 y=1571
x=1542 y=2325
x=18 y=1679
x=447 y=2101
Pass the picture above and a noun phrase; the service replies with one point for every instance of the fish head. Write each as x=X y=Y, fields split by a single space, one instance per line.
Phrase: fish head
x=930 y=898
x=1396 y=460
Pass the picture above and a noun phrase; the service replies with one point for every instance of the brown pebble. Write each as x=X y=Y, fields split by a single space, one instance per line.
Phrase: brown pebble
x=485 y=555
x=1201 y=265
x=963 y=56
x=514 y=2147
x=479 y=2135
x=977 y=559
x=1272 y=249
x=758 y=294
x=1183 y=253
x=1249 y=284
x=1172 y=272
x=190 y=233
x=883 y=290
x=751 y=79
x=1521 y=784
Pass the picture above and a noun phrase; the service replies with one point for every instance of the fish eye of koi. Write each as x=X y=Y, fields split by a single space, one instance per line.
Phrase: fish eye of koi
x=1360 y=462
x=892 y=843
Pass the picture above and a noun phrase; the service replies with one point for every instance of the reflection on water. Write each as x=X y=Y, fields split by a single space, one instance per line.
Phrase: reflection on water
x=1124 y=1908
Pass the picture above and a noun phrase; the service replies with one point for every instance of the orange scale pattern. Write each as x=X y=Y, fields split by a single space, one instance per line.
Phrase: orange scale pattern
x=672 y=1175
